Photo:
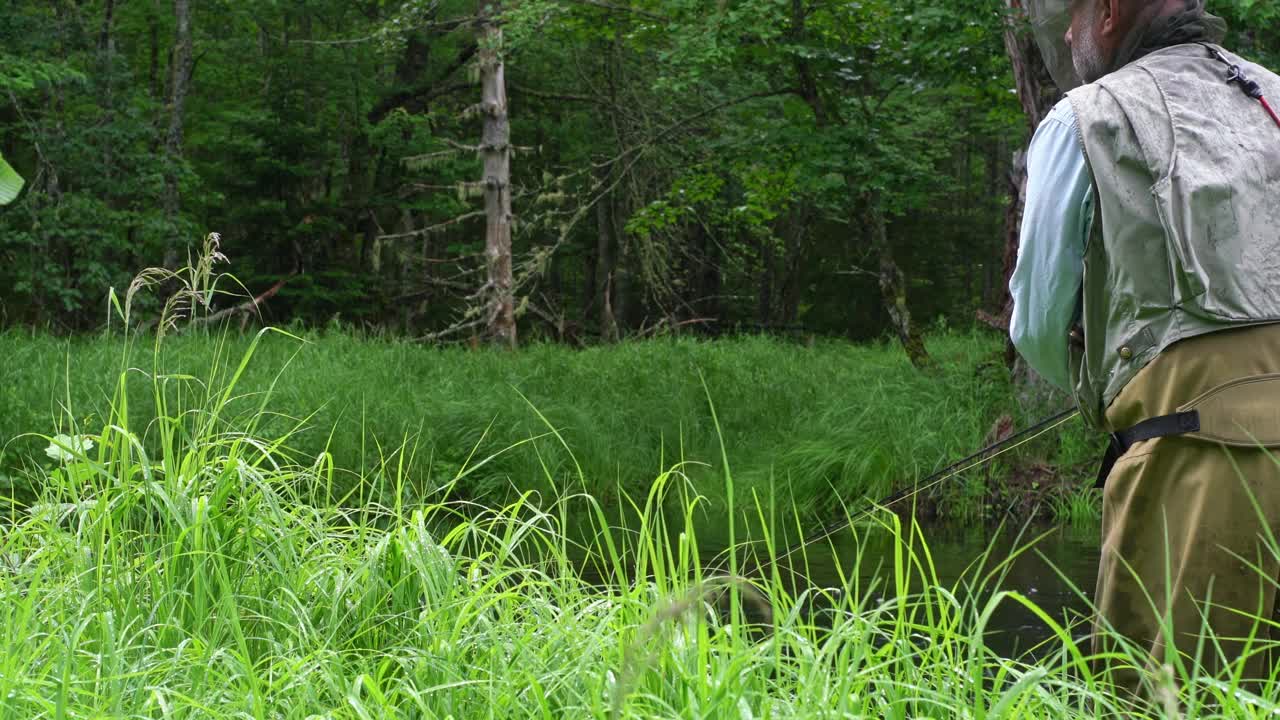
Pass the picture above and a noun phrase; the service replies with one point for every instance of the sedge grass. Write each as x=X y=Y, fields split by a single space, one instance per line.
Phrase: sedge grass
x=185 y=569
x=831 y=421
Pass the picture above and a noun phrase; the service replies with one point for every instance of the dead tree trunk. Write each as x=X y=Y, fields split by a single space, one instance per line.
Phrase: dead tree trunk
x=182 y=61
x=495 y=148
x=893 y=286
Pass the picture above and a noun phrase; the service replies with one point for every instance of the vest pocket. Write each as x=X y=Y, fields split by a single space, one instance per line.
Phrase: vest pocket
x=1221 y=267
x=1241 y=413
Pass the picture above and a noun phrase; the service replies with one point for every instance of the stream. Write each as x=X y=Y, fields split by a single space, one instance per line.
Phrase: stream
x=1057 y=574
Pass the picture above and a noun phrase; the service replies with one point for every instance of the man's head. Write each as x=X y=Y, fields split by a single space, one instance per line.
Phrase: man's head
x=1104 y=33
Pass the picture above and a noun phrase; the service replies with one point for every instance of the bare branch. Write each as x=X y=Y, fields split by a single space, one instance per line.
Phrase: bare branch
x=416 y=99
x=434 y=228
x=857 y=271
x=563 y=97
x=666 y=131
x=461 y=146
x=453 y=330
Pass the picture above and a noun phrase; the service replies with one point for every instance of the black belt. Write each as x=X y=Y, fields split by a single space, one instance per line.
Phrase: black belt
x=1163 y=426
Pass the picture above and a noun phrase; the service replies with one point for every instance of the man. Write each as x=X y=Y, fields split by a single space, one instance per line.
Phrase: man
x=1147 y=285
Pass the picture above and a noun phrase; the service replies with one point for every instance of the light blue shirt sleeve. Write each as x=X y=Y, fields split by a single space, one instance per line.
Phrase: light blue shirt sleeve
x=1055 y=227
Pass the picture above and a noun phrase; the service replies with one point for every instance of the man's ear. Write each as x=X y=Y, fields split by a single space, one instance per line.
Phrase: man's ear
x=1110 y=16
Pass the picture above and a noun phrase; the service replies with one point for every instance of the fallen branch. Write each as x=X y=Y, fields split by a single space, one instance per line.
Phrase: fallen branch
x=245 y=307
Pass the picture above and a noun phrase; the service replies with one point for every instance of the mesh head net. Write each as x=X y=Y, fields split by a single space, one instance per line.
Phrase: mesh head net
x=1157 y=24
x=1050 y=20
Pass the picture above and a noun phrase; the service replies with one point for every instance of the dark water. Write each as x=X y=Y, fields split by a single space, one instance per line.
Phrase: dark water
x=1055 y=567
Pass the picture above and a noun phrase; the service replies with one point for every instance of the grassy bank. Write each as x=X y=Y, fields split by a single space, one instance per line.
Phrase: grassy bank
x=192 y=576
x=828 y=424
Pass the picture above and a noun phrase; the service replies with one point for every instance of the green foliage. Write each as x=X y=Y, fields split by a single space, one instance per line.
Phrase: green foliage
x=1254 y=28
x=19 y=74
x=311 y=133
x=702 y=164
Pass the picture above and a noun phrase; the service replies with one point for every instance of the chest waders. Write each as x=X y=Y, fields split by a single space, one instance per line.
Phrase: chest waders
x=1178 y=356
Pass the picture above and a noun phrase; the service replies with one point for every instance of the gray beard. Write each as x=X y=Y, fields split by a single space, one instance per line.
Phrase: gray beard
x=1087 y=58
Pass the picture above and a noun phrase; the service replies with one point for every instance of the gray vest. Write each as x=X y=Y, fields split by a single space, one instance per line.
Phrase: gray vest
x=1186 y=229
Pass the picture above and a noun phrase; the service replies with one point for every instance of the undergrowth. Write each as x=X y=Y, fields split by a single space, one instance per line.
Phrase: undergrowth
x=835 y=421
x=196 y=566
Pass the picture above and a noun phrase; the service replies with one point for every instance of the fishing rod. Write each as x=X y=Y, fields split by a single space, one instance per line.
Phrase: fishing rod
x=982 y=457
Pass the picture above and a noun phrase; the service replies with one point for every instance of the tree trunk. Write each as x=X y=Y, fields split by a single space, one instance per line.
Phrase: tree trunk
x=589 y=291
x=108 y=17
x=794 y=263
x=893 y=287
x=182 y=59
x=153 y=70
x=806 y=84
x=706 y=278
x=625 y=301
x=107 y=51
x=1037 y=94
x=1036 y=90
x=605 y=264
x=768 y=271
x=495 y=148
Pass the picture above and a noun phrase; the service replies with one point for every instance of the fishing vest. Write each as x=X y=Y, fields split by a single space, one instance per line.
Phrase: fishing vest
x=1185 y=237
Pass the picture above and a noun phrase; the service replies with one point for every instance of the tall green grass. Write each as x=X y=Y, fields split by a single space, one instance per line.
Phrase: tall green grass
x=830 y=423
x=184 y=569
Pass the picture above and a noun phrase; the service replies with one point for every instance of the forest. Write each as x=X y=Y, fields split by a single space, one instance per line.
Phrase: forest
x=668 y=164
x=572 y=170
x=778 y=165
x=544 y=358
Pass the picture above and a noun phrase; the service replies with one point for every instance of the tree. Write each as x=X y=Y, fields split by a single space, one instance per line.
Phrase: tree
x=179 y=82
x=776 y=166
x=495 y=148
x=879 y=81
x=1037 y=95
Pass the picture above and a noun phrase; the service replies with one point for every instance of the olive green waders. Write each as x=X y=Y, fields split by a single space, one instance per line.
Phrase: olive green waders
x=1183 y=515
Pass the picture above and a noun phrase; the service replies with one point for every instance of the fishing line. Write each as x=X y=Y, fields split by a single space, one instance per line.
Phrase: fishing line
x=975 y=460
